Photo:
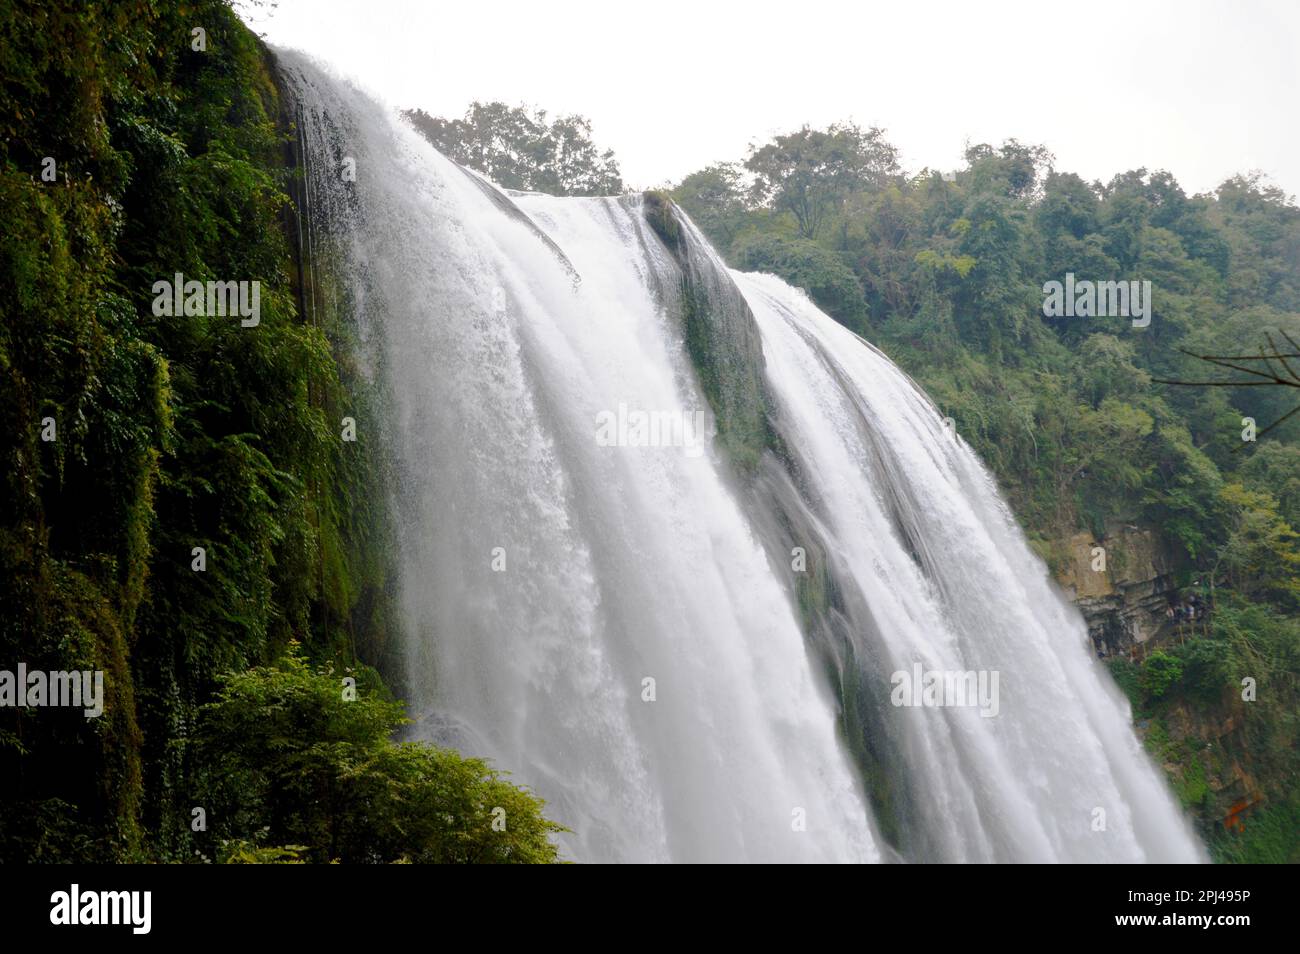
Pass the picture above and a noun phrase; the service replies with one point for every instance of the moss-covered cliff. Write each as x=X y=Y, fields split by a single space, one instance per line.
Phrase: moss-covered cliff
x=142 y=140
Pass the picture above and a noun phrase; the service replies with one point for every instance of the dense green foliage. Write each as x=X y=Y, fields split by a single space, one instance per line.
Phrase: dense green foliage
x=519 y=149
x=169 y=154
x=282 y=751
x=805 y=173
x=946 y=273
x=1221 y=701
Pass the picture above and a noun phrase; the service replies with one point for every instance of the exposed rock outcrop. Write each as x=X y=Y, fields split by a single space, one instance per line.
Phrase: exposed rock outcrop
x=1124 y=598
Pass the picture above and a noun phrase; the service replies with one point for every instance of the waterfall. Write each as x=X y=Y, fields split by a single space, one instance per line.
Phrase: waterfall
x=667 y=532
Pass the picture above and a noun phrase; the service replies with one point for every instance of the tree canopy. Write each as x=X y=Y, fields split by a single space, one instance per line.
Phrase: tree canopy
x=809 y=172
x=519 y=148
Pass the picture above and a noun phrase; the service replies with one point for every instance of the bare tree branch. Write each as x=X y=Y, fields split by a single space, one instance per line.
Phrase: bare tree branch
x=1270 y=377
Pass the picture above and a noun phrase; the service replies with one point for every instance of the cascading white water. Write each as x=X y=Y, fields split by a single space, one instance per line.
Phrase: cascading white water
x=952 y=585
x=609 y=623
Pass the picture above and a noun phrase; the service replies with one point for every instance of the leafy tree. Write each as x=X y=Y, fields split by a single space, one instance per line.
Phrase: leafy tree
x=1069 y=207
x=1274 y=468
x=520 y=149
x=714 y=198
x=1106 y=369
x=995 y=302
x=1261 y=224
x=1014 y=169
x=285 y=760
x=1262 y=550
x=1160 y=672
x=1207 y=669
x=808 y=173
x=878 y=233
x=1181 y=491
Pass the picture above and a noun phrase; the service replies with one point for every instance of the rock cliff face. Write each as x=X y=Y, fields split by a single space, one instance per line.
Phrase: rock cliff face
x=1123 y=599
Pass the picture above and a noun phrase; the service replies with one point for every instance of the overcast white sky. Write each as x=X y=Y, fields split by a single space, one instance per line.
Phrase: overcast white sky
x=1202 y=88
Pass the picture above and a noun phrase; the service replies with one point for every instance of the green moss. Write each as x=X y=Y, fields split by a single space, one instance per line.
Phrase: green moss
x=659 y=213
x=722 y=342
x=1192 y=788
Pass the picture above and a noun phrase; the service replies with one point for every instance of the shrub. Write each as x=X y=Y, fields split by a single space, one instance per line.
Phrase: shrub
x=285 y=759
